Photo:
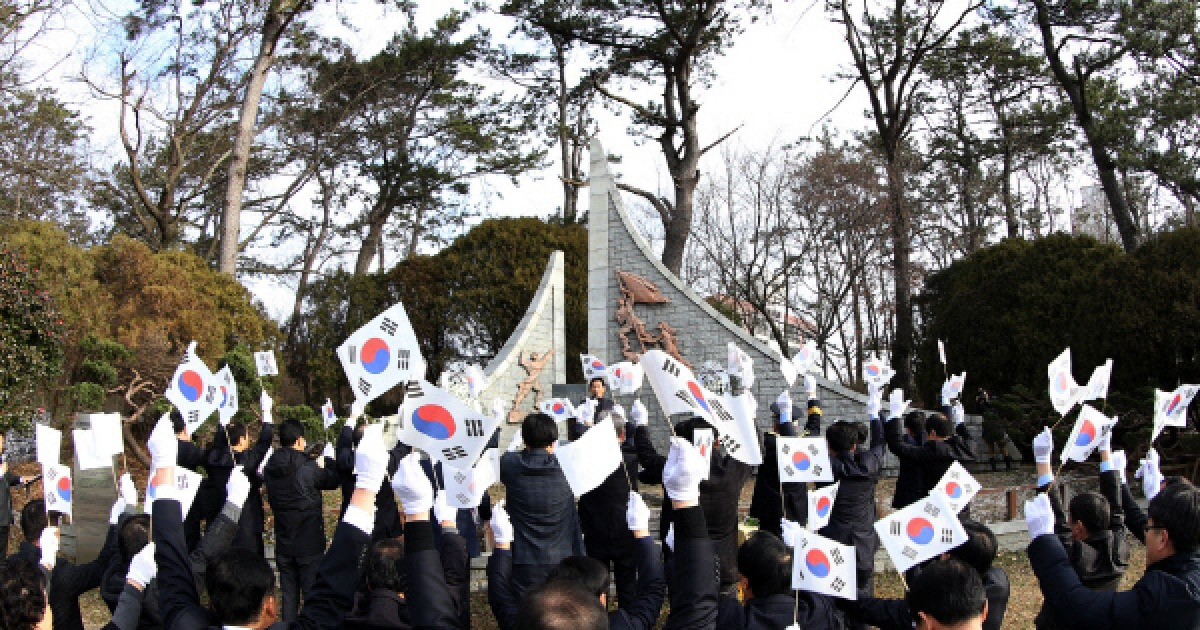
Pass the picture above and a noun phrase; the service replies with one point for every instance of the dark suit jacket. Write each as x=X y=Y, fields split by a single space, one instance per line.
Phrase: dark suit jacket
x=68 y=581
x=809 y=610
x=894 y=614
x=387 y=513
x=541 y=506
x=221 y=460
x=851 y=522
x=934 y=456
x=294 y=484
x=693 y=573
x=427 y=580
x=766 y=505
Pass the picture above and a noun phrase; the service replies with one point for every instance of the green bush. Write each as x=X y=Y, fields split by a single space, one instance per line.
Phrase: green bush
x=31 y=339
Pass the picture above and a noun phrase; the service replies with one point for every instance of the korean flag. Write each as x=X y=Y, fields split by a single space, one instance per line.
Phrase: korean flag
x=264 y=362
x=227 y=395
x=803 y=459
x=381 y=355
x=593 y=367
x=1064 y=391
x=820 y=506
x=876 y=372
x=1090 y=428
x=821 y=565
x=57 y=488
x=923 y=530
x=193 y=390
x=1170 y=408
x=957 y=487
x=443 y=426
x=465 y=487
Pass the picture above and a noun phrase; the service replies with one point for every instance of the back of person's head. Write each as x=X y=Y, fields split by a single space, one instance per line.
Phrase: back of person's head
x=34 y=519
x=938 y=424
x=290 y=431
x=1092 y=510
x=766 y=563
x=587 y=572
x=687 y=428
x=842 y=436
x=22 y=596
x=538 y=430
x=236 y=431
x=914 y=421
x=238 y=583
x=133 y=535
x=561 y=605
x=1176 y=508
x=385 y=565
x=979 y=551
x=177 y=424
x=949 y=592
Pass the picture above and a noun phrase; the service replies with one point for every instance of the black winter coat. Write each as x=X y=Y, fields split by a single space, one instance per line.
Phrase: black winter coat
x=294 y=484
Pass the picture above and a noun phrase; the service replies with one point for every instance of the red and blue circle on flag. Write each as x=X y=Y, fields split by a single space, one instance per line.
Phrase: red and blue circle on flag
x=434 y=421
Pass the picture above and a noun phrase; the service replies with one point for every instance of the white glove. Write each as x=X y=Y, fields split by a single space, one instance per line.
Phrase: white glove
x=670 y=539
x=874 y=400
x=810 y=386
x=791 y=531
x=733 y=362
x=114 y=513
x=238 y=487
x=1043 y=446
x=357 y=409
x=48 y=542
x=1150 y=474
x=328 y=451
x=637 y=515
x=784 y=403
x=1039 y=517
x=947 y=393
x=128 y=490
x=267 y=405
x=958 y=414
x=683 y=471
x=1118 y=461
x=410 y=483
x=896 y=403
x=502 y=528
x=163 y=445
x=637 y=411
x=371 y=464
x=442 y=510
x=517 y=442
x=142 y=568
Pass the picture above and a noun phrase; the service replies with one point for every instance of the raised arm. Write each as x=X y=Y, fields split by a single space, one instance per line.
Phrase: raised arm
x=502 y=593
x=426 y=577
x=693 y=575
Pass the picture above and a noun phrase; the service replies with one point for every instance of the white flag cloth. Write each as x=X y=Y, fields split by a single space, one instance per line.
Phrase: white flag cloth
x=825 y=566
x=476 y=381
x=957 y=487
x=187 y=483
x=85 y=450
x=625 y=377
x=1097 y=385
x=443 y=426
x=1090 y=427
x=588 y=461
x=806 y=358
x=328 y=417
x=923 y=530
x=465 y=488
x=49 y=444
x=1170 y=408
x=877 y=372
x=788 y=370
x=820 y=506
x=265 y=363
x=803 y=459
x=703 y=439
x=266 y=458
x=381 y=355
x=942 y=351
x=1064 y=391
x=57 y=488
x=738 y=432
x=593 y=367
x=227 y=395
x=558 y=408
x=106 y=433
x=957 y=382
x=193 y=390
x=740 y=364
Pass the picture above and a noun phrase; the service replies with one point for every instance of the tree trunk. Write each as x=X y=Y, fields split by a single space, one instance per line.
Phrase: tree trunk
x=570 y=187
x=366 y=252
x=902 y=347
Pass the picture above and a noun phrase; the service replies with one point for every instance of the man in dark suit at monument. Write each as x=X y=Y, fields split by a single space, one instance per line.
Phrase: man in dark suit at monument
x=599 y=403
x=540 y=503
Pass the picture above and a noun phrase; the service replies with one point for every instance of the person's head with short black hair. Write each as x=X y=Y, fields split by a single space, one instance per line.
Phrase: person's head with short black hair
x=842 y=437
x=238 y=437
x=938 y=426
x=979 y=551
x=1174 y=522
x=597 y=387
x=241 y=590
x=538 y=430
x=178 y=425
x=133 y=535
x=947 y=594
x=587 y=572
x=23 y=602
x=561 y=605
x=291 y=434
x=914 y=424
x=385 y=566
x=765 y=564
x=1088 y=514
x=34 y=520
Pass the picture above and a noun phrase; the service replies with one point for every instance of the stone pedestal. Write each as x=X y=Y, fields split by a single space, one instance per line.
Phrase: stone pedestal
x=93 y=492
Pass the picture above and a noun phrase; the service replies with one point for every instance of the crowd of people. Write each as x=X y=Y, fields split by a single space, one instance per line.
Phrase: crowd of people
x=400 y=554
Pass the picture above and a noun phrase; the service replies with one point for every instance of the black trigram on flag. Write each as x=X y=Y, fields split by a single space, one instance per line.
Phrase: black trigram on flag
x=211 y=395
x=787 y=448
x=460 y=477
x=402 y=358
x=474 y=427
x=413 y=390
x=352 y=354
x=932 y=510
x=462 y=498
x=456 y=452
x=364 y=386
x=670 y=367
x=182 y=482
x=909 y=552
x=685 y=397
x=388 y=326
x=732 y=445
x=193 y=417
x=789 y=471
x=812 y=449
x=894 y=528
x=835 y=555
x=837 y=584
x=817 y=470
x=947 y=535
x=721 y=411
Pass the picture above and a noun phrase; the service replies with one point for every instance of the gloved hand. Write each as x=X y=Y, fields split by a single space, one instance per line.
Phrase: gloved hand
x=502 y=529
x=1118 y=461
x=587 y=412
x=791 y=532
x=371 y=465
x=48 y=542
x=118 y=507
x=784 y=403
x=1150 y=474
x=237 y=489
x=163 y=445
x=874 y=400
x=267 y=405
x=683 y=471
x=947 y=393
x=328 y=451
x=128 y=490
x=637 y=515
x=958 y=414
x=733 y=361
x=637 y=411
x=142 y=567
x=810 y=386
x=896 y=403
x=442 y=510
x=1039 y=517
x=1043 y=446
x=410 y=483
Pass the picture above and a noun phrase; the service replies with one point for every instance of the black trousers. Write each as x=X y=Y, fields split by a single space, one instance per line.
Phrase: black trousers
x=296 y=577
